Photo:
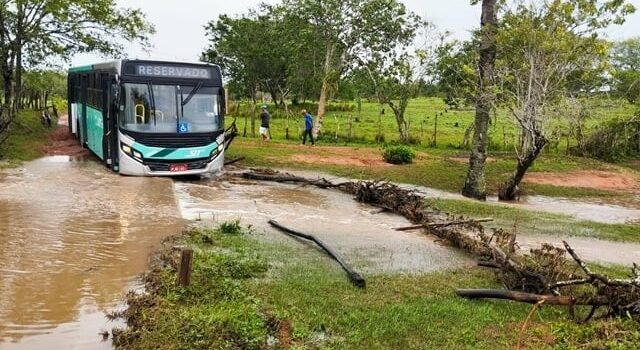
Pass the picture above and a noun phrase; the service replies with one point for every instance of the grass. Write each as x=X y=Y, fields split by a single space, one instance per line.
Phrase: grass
x=245 y=294
x=27 y=139
x=421 y=115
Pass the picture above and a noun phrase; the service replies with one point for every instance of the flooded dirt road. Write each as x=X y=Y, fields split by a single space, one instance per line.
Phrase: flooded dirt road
x=367 y=239
x=73 y=238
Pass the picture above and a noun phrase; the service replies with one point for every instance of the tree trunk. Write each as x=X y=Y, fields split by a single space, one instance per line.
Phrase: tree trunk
x=5 y=67
x=324 y=91
x=475 y=185
x=403 y=127
x=17 y=95
x=510 y=190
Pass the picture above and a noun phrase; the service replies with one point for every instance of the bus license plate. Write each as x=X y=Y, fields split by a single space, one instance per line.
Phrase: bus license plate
x=178 y=167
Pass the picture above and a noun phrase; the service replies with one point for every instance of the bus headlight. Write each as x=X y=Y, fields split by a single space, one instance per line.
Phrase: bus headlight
x=216 y=151
x=125 y=148
x=131 y=152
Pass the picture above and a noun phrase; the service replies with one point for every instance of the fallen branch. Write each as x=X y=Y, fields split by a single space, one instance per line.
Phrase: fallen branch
x=443 y=224
x=355 y=278
x=530 y=297
x=604 y=279
x=233 y=161
x=288 y=178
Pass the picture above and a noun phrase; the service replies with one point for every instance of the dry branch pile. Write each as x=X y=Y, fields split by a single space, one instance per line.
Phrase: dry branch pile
x=544 y=273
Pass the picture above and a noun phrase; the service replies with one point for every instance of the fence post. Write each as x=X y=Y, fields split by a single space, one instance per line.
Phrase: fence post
x=184 y=272
x=435 y=132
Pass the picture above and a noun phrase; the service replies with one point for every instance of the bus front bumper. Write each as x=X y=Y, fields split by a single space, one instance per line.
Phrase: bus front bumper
x=129 y=166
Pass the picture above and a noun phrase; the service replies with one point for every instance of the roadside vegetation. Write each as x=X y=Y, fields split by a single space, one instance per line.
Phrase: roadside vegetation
x=28 y=139
x=251 y=294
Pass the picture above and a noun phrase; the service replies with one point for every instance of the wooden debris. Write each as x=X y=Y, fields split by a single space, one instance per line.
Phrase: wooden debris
x=233 y=161
x=529 y=297
x=443 y=224
x=355 y=278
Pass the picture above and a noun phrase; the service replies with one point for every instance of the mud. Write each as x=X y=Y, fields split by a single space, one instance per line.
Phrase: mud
x=73 y=238
x=600 y=180
x=365 y=238
x=340 y=160
x=61 y=142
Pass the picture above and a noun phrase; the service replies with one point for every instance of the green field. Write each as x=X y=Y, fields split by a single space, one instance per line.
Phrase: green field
x=245 y=292
x=421 y=114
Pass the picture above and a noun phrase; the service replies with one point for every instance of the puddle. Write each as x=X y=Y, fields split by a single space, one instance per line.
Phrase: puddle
x=589 y=249
x=73 y=238
x=581 y=210
x=366 y=239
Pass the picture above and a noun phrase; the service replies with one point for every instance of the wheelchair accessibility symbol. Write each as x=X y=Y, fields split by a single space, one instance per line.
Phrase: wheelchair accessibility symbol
x=183 y=127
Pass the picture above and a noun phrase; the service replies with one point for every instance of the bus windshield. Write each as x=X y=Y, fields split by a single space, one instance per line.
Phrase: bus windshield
x=166 y=109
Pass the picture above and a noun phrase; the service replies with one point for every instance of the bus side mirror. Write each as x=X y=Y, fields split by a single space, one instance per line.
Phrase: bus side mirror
x=115 y=93
x=223 y=102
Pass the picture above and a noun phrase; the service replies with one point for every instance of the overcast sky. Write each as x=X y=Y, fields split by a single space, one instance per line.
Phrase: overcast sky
x=180 y=33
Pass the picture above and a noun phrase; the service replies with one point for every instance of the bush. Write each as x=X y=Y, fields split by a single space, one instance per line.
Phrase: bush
x=398 y=154
x=230 y=228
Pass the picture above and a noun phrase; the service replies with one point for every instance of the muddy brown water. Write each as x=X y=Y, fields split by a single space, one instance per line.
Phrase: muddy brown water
x=73 y=238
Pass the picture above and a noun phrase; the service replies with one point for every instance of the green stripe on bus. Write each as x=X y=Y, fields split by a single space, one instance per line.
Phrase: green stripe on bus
x=165 y=152
x=81 y=69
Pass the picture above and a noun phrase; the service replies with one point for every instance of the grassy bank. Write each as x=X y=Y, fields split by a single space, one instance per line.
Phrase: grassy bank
x=254 y=295
x=27 y=140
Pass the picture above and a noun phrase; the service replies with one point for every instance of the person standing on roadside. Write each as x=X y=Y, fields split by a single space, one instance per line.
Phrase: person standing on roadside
x=308 y=127
x=264 y=123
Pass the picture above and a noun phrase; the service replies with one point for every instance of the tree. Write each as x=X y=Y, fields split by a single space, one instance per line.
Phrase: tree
x=32 y=31
x=625 y=59
x=541 y=45
x=40 y=85
x=266 y=49
x=474 y=185
x=348 y=29
x=455 y=69
x=397 y=76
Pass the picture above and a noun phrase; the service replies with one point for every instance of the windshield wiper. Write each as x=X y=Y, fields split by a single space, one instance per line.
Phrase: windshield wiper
x=191 y=94
x=152 y=101
x=178 y=110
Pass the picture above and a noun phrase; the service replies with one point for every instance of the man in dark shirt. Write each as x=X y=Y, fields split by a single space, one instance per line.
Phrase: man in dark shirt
x=308 y=127
x=264 y=123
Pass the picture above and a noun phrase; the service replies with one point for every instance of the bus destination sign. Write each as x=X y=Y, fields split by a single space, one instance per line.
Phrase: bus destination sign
x=154 y=70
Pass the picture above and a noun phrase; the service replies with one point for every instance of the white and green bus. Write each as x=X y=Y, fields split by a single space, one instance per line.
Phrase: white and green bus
x=150 y=117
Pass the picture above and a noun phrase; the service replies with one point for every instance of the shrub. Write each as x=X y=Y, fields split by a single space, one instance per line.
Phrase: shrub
x=398 y=154
x=230 y=227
